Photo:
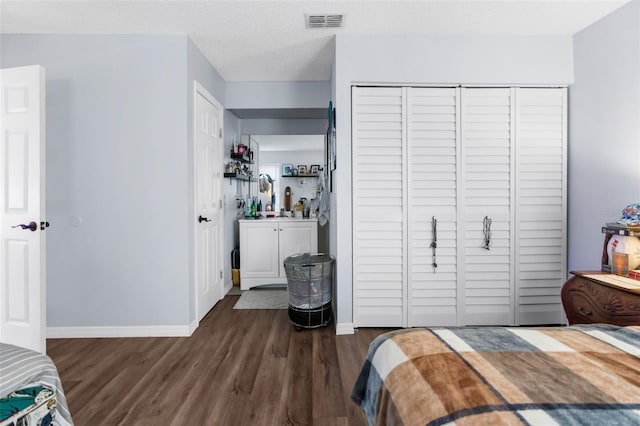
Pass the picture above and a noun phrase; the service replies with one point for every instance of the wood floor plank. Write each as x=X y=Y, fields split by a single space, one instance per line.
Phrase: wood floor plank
x=296 y=399
x=326 y=376
x=240 y=367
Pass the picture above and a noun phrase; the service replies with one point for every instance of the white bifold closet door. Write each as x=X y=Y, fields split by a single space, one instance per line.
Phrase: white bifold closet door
x=513 y=173
x=464 y=157
x=432 y=169
x=404 y=173
x=541 y=204
x=379 y=209
x=487 y=188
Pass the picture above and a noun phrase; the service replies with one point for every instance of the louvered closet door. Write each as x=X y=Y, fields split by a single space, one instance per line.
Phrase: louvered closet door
x=540 y=238
x=378 y=209
x=432 y=145
x=486 y=275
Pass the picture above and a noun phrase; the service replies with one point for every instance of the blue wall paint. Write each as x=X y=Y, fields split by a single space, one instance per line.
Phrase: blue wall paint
x=425 y=60
x=295 y=126
x=118 y=129
x=281 y=94
x=117 y=157
x=604 y=132
x=120 y=157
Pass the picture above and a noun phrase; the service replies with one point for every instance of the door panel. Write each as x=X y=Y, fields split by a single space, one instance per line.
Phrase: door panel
x=22 y=177
x=432 y=150
x=487 y=182
x=378 y=207
x=208 y=171
x=296 y=237
x=540 y=238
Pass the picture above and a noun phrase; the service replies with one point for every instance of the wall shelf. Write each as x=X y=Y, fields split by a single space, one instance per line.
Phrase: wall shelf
x=240 y=177
x=302 y=176
x=241 y=158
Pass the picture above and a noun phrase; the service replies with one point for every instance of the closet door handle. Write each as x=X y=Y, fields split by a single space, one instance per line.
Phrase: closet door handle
x=203 y=219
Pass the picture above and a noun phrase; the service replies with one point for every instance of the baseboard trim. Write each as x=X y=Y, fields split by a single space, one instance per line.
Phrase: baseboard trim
x=192 y=328
x=120 y=331
x=344 y=328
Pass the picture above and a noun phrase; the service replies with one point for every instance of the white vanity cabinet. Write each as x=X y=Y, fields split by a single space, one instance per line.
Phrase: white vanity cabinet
x=265 y=243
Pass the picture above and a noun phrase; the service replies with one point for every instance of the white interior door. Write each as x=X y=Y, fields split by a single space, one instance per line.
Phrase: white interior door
x=22 y=174
x=208 y=195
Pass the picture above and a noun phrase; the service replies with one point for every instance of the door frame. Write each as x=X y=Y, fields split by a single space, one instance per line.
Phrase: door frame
x=199 y=89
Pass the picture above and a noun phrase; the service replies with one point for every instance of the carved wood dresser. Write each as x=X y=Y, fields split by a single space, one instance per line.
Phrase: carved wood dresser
x=599 y=297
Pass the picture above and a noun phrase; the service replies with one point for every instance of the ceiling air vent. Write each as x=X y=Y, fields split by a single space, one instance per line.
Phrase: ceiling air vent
x=324 y=21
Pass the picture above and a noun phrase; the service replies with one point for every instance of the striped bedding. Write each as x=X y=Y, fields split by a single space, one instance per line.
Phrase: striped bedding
x=577 y=375
x=22 y=368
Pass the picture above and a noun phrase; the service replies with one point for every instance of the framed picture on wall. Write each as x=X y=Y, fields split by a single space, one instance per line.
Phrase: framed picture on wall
x=302 y=169
x=315 y=169
x=287 y=170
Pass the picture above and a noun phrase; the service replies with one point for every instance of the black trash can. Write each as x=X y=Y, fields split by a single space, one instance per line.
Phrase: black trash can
x=310 y=287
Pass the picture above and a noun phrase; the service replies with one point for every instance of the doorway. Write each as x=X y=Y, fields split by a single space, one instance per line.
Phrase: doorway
x=208 y=132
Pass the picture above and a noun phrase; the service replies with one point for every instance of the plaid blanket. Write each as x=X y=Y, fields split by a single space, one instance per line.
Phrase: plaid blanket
x=577 y=375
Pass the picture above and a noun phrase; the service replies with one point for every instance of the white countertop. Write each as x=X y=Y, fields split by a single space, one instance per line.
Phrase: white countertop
x=287 y=218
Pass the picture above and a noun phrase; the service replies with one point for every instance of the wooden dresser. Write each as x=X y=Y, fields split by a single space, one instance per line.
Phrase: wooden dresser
x=599 y=297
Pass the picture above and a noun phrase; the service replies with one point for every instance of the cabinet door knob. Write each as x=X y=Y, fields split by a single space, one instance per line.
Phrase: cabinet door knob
x=584 y=312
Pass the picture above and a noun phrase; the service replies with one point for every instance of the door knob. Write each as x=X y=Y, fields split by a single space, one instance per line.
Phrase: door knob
x=203 y=219
x=32 y=226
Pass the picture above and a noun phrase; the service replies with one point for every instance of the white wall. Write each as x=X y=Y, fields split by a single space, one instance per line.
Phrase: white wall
x=604 y=132
x=292 y=126
x=409 y=59
x=119 y=176
x=277 y=95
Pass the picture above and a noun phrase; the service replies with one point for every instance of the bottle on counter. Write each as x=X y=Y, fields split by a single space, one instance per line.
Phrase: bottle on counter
x=253 y=207
x=248 y=207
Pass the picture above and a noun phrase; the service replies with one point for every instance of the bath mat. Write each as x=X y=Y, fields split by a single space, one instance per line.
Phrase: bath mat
x=263 y=299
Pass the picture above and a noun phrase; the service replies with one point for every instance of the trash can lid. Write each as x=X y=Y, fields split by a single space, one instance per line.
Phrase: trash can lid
x=308 y=259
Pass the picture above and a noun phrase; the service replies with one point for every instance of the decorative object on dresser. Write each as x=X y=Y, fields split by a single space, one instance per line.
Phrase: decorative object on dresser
x=597 y=297
x=620 y=239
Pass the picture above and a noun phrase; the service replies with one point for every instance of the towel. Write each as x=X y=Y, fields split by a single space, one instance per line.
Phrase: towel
x=323 y=205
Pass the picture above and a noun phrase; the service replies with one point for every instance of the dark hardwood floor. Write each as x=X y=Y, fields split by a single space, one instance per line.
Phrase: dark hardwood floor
x=240 y=367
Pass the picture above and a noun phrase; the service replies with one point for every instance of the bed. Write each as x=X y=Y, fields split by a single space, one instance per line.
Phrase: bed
x=581 y=374
x=29 y=382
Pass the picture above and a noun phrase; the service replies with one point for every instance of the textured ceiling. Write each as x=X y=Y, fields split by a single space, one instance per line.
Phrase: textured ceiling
x=267 y=40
